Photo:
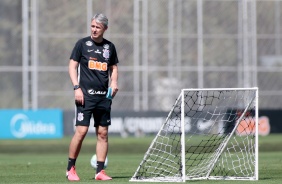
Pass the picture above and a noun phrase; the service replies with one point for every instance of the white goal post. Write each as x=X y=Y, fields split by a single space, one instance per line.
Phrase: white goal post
x=208 y=134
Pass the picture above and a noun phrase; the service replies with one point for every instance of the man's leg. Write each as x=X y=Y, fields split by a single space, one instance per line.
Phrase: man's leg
x=102 y=145
x=76 y=142
x=101 y=152
x=74 y=149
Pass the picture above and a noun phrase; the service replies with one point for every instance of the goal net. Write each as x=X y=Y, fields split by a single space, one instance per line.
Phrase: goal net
x=208 y=134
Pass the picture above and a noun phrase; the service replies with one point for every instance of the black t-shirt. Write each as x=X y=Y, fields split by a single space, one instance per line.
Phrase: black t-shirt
x=94 y=61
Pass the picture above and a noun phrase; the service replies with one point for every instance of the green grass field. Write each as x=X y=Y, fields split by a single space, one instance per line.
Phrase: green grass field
x=44 y=161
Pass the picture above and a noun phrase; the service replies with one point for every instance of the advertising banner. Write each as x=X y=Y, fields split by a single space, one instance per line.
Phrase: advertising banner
x=130 y=123
x=31 y=124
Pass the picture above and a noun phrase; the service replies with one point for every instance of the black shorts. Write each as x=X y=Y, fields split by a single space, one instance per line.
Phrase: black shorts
x=100 y=108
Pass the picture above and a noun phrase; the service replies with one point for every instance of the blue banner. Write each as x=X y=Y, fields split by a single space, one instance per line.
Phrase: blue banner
x=31 y=124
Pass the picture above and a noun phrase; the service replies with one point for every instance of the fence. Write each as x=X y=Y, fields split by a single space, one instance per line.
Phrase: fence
x=163 y=46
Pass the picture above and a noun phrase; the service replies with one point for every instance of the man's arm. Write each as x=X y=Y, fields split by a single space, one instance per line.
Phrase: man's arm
x=114 y=79
x=78 y=94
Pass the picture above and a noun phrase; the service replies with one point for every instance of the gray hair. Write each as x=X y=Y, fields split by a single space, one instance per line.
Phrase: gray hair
x=101 y=18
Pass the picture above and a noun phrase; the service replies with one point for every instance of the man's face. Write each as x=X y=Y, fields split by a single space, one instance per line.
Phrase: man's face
x=97 y=30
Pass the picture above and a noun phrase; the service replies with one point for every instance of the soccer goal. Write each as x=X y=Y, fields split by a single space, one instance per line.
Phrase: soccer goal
x=208 y=134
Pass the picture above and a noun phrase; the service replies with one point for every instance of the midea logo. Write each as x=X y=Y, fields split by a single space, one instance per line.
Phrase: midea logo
x=22 y=126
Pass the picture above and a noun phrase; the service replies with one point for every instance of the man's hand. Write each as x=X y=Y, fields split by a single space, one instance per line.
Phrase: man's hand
x=114 y=89
x=78 y=95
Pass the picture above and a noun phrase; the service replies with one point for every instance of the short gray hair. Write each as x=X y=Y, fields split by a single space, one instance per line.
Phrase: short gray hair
x=101 y=18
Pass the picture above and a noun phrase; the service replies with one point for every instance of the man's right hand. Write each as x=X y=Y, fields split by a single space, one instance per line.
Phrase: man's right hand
x=78 y=95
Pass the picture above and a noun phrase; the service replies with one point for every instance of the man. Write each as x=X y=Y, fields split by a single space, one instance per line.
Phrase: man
x=92 y=67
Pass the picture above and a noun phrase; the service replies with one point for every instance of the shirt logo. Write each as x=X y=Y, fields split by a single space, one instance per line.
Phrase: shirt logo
x=90 y=50
x=96 y=65
x=89 y=43
x=97 y=51
x=93 y=92
x=106 y=51
x=106 y=54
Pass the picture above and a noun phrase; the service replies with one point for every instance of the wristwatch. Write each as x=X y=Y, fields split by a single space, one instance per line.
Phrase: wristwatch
x=75 y=87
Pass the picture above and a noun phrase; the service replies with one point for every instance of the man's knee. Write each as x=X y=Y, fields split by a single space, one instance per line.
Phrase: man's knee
x=81 y=131
x=102 y=133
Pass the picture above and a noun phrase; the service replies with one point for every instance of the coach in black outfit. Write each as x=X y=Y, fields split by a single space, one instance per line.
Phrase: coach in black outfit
x=92 y=67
